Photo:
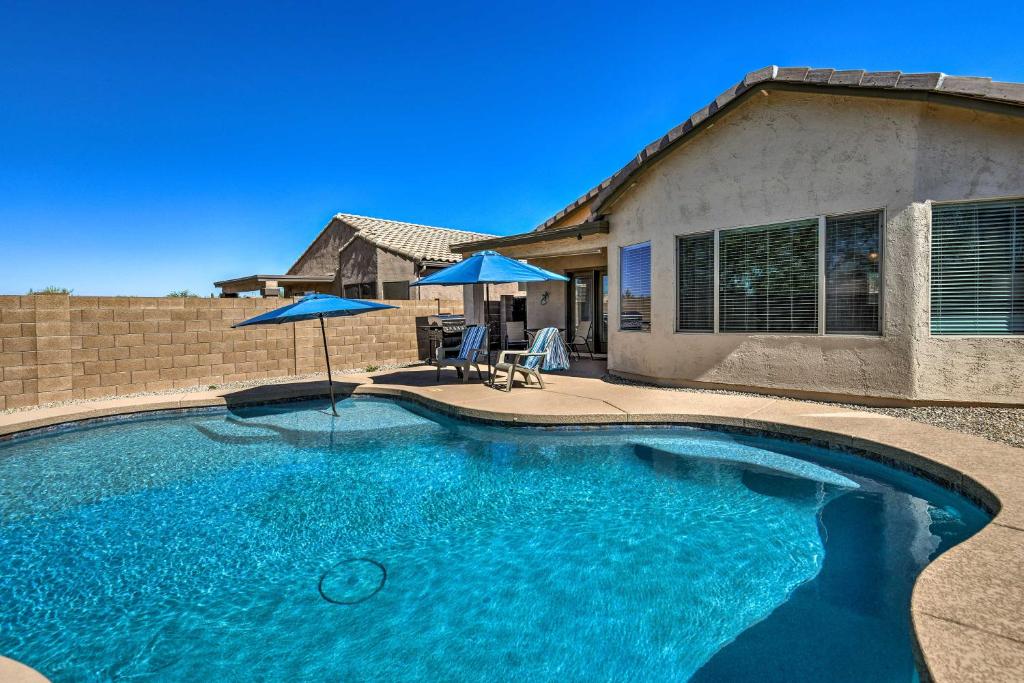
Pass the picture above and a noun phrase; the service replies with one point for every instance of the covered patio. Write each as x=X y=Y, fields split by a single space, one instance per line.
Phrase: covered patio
x=578 y=308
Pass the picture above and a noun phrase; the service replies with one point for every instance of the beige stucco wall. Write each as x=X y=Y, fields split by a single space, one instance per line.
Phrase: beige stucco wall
x=321 y=257
x=785 y=156
x=550 y=314
x=356 y=264
x=394 y=268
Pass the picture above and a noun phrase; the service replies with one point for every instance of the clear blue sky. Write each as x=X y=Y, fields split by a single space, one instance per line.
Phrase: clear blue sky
x=147 y=147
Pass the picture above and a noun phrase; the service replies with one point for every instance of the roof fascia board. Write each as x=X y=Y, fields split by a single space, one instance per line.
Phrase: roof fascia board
x=534 y=236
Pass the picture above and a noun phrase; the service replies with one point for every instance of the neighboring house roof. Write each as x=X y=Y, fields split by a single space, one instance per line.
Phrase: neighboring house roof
x=421 y=243
x=884 y=83
x=418 y=242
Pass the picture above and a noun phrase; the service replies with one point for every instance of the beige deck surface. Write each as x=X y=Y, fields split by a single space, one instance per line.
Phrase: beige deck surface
x=968 y=606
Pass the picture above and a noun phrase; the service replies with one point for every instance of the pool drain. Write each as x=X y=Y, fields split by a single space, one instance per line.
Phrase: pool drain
x=352 y=581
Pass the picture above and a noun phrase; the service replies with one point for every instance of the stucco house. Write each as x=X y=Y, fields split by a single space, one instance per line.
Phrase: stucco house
x=813 y=232
x=368 y=258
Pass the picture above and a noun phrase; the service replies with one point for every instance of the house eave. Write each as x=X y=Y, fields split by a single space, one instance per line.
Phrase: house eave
x=534 y=237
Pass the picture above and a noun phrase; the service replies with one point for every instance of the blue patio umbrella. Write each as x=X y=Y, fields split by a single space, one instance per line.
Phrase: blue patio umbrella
x=487 y=268
x=311 y=307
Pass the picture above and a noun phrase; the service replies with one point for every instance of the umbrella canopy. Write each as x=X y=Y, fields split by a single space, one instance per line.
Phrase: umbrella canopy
x=313 y=306
x=316 y=307
x=488 y=267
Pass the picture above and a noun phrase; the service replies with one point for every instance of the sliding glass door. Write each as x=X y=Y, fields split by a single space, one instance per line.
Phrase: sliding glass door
x=587 y=314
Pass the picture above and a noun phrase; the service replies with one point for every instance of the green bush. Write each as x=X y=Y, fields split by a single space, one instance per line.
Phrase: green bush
x=51 y=290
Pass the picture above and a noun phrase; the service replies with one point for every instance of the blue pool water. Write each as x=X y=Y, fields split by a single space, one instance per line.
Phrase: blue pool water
x=278 y=543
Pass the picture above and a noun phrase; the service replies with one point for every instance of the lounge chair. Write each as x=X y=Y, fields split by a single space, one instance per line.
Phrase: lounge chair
x=526 y=363
x=474 y=343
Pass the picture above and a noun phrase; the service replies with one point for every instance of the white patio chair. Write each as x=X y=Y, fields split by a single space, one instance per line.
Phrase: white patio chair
x=474 y=343
x=526 y=363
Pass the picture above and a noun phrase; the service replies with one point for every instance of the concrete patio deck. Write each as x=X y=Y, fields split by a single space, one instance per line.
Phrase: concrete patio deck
x=967 y=607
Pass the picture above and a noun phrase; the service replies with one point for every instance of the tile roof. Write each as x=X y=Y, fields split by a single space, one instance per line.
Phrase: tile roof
x=967 y=87
x=414 y=241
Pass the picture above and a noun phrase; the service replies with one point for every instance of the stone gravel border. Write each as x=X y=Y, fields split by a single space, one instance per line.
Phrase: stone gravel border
x=1005 y=425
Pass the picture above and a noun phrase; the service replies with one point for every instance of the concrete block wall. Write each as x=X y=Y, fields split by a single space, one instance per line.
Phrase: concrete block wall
x=57 y=348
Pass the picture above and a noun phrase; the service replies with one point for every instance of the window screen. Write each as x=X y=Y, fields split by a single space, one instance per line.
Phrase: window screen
x=396 y=290
x=635 y=288
x=768 y=278
x=853 y=260
x=978 y=268
x=696 y=282
x=362 y=290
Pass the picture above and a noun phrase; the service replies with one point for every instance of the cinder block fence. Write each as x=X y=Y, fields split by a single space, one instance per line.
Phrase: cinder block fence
x=58 y=347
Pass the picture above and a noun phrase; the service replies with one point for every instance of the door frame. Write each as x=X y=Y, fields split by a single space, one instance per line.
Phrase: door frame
x=600 y=344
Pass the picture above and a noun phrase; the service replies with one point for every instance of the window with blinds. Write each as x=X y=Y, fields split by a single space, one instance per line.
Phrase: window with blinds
x=768 y=278
x=978 y=268
x=696 y=281
x=635 y=287
x=853 y=260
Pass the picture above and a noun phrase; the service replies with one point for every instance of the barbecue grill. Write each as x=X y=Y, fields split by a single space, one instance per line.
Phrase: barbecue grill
x=444 y=329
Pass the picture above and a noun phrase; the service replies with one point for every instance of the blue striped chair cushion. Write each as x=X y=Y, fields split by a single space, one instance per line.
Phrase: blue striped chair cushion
x=472 y=339
x=540 y=344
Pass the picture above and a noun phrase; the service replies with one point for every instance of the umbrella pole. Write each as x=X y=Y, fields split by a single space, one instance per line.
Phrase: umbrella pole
x=487 y=326
x=327 y=357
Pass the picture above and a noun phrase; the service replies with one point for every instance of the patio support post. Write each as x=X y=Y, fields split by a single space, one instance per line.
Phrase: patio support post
x=327 y=357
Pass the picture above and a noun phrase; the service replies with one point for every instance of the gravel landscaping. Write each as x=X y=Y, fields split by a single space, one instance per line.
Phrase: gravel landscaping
x=998 y=424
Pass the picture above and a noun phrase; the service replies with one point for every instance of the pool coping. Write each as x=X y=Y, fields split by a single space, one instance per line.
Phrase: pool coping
x=967 y=607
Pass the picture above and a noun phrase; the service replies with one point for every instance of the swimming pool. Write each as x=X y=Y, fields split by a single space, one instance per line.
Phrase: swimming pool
x=395 y=544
